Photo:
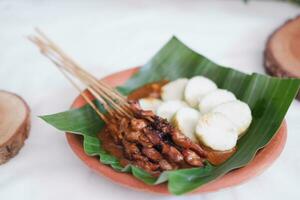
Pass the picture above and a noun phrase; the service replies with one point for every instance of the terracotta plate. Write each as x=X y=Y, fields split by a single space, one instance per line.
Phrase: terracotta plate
x=261 y=162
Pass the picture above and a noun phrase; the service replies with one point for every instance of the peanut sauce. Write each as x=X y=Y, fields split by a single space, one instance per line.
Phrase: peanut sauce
x=154 y=90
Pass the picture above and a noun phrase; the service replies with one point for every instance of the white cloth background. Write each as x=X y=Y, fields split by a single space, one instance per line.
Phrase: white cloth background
x=108 y=36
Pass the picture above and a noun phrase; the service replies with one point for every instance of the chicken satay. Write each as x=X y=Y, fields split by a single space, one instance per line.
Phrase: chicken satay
x=152 y=135
x=137 y=124
x=148 y=166
x=172 y=153
x=152 y=154
x=165 y=165
x=141 y=138
x=118 y=128
x=130 y=149
x=177 y=137
x=144 y=141
x=192 y=158
x=115 y=133
x=133 y=136
x=183 y=141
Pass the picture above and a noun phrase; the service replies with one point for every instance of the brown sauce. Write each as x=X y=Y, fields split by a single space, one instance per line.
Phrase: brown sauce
x=218 y=157
x=109 y=145
x=148 y=90
x=153 y=90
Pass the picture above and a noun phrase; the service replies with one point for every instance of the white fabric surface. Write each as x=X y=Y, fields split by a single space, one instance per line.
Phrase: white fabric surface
x=108 y=36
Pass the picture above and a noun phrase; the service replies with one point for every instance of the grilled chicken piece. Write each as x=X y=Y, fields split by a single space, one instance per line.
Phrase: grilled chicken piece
x=177 y=137
x=115 y=132
x=192 y=158
x=133 y=153
x=152 y=154
x=133 y=136
x=153 y=136
x=162 y=125
x=130 y=149
x=140 y=157
x=123 y=126
x=135 y=105
x=172 y=153
x=147 y=165
x=146 y=114
x=165 y=165
x=183 y=141
x=138 y=124
x=144 y=141
x=175 y=155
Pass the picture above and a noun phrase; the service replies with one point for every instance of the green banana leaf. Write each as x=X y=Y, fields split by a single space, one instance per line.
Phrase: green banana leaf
x=269 y=99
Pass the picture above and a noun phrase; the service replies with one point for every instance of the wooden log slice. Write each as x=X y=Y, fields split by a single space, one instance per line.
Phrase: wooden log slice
x=14 y=124
x=282 y=53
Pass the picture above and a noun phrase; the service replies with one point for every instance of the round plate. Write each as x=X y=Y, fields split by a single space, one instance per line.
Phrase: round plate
x=261 y=162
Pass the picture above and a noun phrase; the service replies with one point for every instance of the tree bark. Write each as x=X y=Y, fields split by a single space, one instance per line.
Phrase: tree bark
x=282 y=53
x=14 y=124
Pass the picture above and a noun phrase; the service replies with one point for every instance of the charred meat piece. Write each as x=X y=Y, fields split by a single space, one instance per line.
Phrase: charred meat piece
x=147 y=165
x=165 y=165
x=133 y=153
x=145 y=114
x=152 y=154
x=130 y=149
x=183 y=141
x=135 y=105
x=172 y=153
x=138 y=124
x=180 y=139
x=153 y=136
x=133 y=136
x=175 y=155
x=161 y=124
x=198 y=149
x=176 y=136
x=116 y=134
x=139 y=157
x=123 y=126
x=192 y=158
x=144 y=141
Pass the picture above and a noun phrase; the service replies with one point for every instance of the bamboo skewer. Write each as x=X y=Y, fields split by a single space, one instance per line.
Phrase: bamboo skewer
x=61 y=68
x=114 y=103
x=86 y=98
x=46 y=48
x=75 y=65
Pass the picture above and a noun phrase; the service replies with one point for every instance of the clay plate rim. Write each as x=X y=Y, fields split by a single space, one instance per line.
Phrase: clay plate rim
x=261 y=162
